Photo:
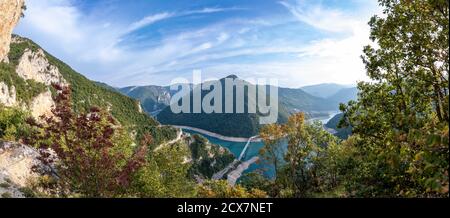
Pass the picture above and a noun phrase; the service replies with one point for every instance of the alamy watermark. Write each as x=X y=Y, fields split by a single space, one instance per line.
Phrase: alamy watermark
x=229 y=95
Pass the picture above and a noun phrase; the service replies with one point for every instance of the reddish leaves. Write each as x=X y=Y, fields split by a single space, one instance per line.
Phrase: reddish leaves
x=83 y=151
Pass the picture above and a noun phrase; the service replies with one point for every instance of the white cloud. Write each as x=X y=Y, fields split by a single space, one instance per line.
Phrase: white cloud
x=96 y=47
x=92 y=46
x=149 y=20
x=332 y=20
x=336 y=57
x=210 y=10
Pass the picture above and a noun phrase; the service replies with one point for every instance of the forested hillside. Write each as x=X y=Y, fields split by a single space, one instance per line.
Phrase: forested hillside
x=229 y=124
x=85 y=93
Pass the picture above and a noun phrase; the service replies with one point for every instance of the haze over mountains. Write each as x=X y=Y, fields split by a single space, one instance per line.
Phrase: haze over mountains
x=325 y=90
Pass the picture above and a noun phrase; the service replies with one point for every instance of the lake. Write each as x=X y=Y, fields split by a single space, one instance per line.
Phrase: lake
x=237 y=147
x=253 y=149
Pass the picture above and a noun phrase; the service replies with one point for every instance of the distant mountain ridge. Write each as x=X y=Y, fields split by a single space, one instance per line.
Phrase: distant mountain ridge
x=152 y=98
x=155 y=100
x=344 y=95
x=325 y=90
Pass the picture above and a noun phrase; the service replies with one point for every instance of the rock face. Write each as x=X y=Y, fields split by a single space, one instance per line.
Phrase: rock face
x=7 y=95
x=11 y=11
x=35 y=66
x=16 y=161
x=42 y=104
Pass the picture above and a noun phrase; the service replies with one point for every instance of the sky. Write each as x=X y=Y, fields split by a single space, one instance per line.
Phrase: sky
x=151 y=42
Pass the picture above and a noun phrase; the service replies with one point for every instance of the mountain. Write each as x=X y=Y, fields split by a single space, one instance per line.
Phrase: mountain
x=296 y=100
x=344 y=95
x=323 y=90
x=228 y=124
x=26 y=79
x=153 y=98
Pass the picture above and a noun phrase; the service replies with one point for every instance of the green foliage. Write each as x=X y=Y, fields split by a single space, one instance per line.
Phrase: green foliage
x=221 y=189
x=26 y=89
x=85 y=93
x=229 y=124
x=400 y=121
x=17 y=49
x=307 y=145
x=4 y=185
x=27 y=192
x=12 y=123
x=6 y=195
x=165 y=174
x=255 y=180
x=160 y=134
x=207 y=158
x=83 y=154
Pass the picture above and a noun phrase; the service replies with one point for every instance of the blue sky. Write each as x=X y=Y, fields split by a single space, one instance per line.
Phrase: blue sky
x=142 y=42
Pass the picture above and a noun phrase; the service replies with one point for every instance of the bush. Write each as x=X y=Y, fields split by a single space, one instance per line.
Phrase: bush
x=221 y=189
x=88 y=153
x=12 y=123
x=6 y=195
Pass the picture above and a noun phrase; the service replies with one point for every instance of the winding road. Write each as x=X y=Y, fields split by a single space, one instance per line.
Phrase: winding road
x=178 y=138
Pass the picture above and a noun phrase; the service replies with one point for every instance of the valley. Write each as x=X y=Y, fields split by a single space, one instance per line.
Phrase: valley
x=224 y=99
x=237 y=145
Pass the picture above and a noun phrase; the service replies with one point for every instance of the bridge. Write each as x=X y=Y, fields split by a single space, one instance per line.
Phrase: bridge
x=221 y=173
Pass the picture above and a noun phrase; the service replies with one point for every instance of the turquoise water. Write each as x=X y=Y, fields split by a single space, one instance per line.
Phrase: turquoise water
x=237 y=147
x=253 y=149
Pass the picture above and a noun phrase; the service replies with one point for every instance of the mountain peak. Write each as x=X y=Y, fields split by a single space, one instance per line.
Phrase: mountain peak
x=232 y=76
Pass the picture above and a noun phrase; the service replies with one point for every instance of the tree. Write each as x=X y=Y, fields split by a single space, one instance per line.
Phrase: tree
x=400 y=120
x=86 y=154
x=255 y=180
x=272 y=152
x=297 y=175
x=12 y=123
x=165 y=174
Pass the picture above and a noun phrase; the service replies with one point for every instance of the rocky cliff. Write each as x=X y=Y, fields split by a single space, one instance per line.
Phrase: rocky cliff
x=7 y=95
x=30 y=71
x=32 y=65
x=35 y=66
x=16 y=161
x=11 y=11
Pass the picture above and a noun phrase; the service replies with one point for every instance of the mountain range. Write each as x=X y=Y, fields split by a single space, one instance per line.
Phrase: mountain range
x=155 y=100
x=26 y=82
x=28 y=75
x=325 y=90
